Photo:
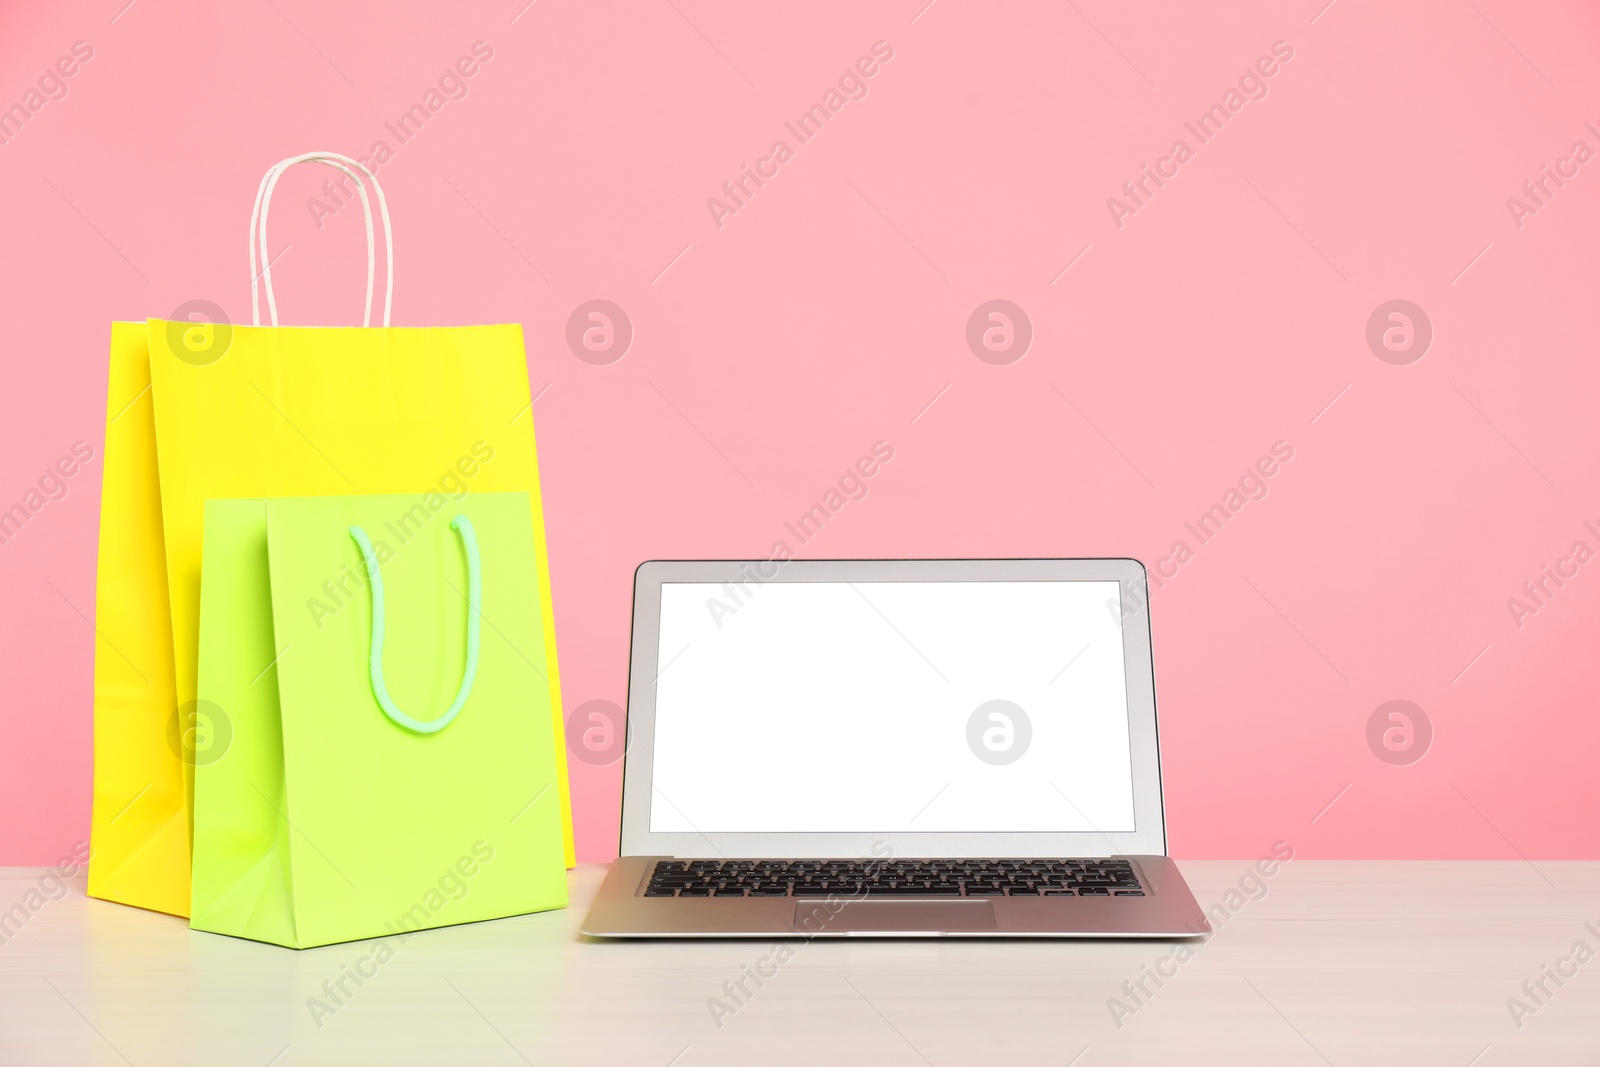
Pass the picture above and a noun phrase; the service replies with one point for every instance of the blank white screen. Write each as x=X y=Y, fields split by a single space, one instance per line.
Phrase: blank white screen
x=822 y=707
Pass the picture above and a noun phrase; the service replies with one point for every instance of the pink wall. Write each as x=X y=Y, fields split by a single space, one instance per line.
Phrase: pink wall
x=1229 y=312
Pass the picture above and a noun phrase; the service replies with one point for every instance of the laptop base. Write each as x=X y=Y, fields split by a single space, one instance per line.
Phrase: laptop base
x=1167 y=910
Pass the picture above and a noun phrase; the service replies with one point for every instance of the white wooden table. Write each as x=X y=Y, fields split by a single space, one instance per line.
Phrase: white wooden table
x=1358 y=963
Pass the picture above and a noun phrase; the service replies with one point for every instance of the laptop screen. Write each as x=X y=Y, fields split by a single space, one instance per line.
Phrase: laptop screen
x=891 y=707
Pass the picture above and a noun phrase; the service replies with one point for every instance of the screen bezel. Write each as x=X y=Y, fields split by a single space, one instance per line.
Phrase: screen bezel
x=1149 y=834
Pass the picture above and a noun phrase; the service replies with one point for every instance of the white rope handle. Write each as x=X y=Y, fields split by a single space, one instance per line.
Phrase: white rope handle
x=258 y=233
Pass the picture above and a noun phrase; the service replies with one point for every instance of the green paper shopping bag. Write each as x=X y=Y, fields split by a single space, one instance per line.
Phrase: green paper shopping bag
x=374 y=753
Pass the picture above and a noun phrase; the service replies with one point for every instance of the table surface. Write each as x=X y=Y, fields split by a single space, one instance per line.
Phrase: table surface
x=1326 y=962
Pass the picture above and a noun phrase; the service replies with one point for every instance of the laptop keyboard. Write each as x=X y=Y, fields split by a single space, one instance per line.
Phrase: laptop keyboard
x=893 y=878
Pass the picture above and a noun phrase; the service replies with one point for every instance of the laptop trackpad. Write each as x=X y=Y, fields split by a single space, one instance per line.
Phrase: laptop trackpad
x=890 y=916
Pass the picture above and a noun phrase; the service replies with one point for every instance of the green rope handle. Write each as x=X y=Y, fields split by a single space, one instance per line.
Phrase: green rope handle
x=469 y=544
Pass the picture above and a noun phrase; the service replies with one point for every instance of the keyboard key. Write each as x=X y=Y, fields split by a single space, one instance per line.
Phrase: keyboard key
x=915 y=891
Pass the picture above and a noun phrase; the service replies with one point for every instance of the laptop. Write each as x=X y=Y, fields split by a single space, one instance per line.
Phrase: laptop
x=892 y=748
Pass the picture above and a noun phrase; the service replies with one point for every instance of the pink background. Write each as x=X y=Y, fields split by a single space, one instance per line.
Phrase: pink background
x=828 y=312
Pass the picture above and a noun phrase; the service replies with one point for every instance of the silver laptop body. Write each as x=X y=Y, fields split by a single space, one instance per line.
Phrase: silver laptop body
x=892 y=748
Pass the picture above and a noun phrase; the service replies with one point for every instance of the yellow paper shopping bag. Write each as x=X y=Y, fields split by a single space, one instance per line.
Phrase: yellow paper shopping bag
x=269 y=411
